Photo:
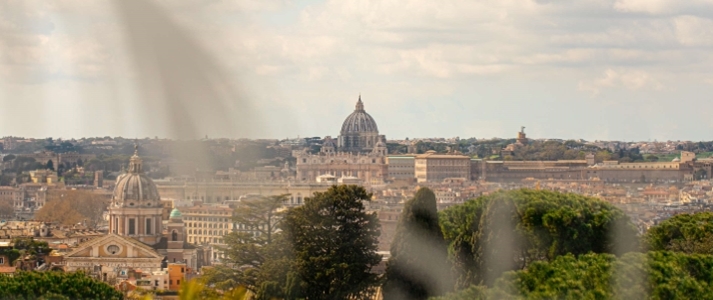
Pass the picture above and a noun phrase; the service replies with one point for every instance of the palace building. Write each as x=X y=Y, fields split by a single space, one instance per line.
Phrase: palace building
x=359 y=153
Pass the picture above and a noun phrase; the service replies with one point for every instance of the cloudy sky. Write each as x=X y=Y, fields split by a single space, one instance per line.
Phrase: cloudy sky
x=591 y=69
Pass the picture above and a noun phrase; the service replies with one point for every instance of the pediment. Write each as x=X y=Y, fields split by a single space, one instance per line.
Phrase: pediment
x=113 y=246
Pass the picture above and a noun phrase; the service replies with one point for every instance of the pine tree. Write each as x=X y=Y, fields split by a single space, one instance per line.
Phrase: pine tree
x=256 y=254
x=335 y=243
x=418 y=267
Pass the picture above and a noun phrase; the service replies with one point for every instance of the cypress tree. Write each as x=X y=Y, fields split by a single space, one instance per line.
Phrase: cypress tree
x=418 y=267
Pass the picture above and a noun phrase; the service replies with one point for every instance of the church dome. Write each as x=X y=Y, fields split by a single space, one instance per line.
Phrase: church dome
x=176 y=214
x=359 y=121
x=328 y=142
x=134 y=188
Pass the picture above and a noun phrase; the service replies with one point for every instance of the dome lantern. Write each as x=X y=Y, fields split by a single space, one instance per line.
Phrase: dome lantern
x=135 y=163
x=359 y=105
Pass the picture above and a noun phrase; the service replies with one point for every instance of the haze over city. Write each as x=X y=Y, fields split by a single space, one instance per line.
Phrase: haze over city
x=356 y=149
x=605 y=69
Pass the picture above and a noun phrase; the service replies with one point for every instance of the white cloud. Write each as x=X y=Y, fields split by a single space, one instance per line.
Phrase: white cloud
x=694 y=31
x=629 y=79
x=658 y=7
x=401 y=50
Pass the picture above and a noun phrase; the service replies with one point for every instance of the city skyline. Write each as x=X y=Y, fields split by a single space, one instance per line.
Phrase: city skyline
x=623 y=70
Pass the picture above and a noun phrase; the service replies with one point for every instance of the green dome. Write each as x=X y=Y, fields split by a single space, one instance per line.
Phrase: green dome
x=175 y=213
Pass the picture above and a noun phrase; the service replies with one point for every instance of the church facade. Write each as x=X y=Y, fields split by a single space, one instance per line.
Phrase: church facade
x=359 y=152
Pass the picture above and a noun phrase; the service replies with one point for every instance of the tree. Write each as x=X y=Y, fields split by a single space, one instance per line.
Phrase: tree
x=70 y=207
x=418 y=267
x=50 y=165
x=687 y=233
x=7 y=210
x=510 y=230
x=335 y=243
x=199 y=289
x=654 y=275
x=8 y=157
x=261 y=216
x=257 y=254
x=55 y=285
x=59 y=211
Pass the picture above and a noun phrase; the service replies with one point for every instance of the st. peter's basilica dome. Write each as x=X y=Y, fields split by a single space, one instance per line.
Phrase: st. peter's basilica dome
x=359 y=131
x=359 y=121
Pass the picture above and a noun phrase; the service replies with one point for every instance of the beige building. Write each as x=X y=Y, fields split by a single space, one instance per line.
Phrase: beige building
x=215 y=192
x=401 y=166
x=48 y=177
x=112 y=256
x=368 y=167
x=208 y=224
x=434 y=167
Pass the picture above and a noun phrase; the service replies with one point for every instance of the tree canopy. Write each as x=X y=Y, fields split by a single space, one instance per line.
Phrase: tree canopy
x=418 y=267
x=687 y=233
x=509 y=230
x=652 y=275
x=70 y=207
x=335 y=243
x=54 y=285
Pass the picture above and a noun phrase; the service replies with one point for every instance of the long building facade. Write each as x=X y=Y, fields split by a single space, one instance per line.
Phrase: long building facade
x=435 y=167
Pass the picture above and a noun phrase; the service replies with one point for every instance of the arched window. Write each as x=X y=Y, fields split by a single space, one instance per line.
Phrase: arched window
x=174 y=236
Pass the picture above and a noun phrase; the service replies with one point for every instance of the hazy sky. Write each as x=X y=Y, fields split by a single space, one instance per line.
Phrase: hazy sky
x=592 y=69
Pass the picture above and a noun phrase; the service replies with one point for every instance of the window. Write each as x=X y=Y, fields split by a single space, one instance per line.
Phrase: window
x=174 y=236
x=178 y=281
x=132 y=226
x=182 y=271
x=2 y=260
x=113 y=249
x=116 y=224
x=148 y=226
